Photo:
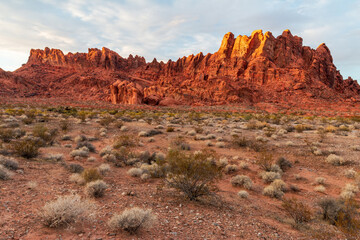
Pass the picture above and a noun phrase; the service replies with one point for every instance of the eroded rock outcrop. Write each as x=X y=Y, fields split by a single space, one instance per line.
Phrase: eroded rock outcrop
x=250 y=69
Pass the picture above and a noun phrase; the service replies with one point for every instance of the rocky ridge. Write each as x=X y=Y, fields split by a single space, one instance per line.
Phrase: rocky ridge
x=245 y=69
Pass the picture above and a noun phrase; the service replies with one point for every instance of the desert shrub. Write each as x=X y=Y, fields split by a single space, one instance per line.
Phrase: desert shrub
x=80 y=138
x=265 y=161
x=300 y=128
x=350 y=173
x=349 y=191
x=297 y=210
x=131 y=220
x=6 y=135
x=170 y=129
x=269 y=176
x=26 y=148
x=238 y=141
x=320 y=180
x=283 y=163
x=77 y=178
x=9 y=163
x=193 y=174
x=272 y=192
x=42 y=132
x=145 y=176
x=330 y=208
x=91 y=174
x=95 y=189
x=320 y=188
x=335 y=160
x=244 y=165
x=104 y=168
x=125 y=141
x=4 y=173
x=66 y=210
x=135 y=172
x=154 y=170
x=87 y=145
x=106 y=121
x=347 y=219
x=82 y=152
x=279 y=184
x=64 y=125
x=231 y=168
x=243 y=194
x=242 y=181
x=75 y=168
x=330 y=128
x=180 y=144
x=105 y=150
x=54 y=157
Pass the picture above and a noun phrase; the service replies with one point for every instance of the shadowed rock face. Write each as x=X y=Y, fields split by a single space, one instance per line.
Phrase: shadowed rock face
x=250 y=69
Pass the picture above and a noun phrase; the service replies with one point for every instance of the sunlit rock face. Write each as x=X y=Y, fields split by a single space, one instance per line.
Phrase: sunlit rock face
x=245 y=69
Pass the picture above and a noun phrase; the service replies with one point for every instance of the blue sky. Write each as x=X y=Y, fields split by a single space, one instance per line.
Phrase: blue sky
x=168 y=29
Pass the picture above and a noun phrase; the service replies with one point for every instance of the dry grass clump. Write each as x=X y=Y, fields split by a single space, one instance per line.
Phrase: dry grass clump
x=320 y=188
x=104 y=168
x=9 y=163
x=297 y=210
x=82 y=152
x=131 y=220
x=95 y=189
x=77 y=178
x=231 y=168
x=135 y=172
x=275 y=189
x=66 y=210
x=320 y=180
x=4 y=173
x=243 y=194
x=335 y=160
x=269 y=176
x=75 y=168
x=54 y=157
x=350 y=173
x=272 y=192
x=242 y=181
x=349 y=191
x=26 y=148
x=91 y=174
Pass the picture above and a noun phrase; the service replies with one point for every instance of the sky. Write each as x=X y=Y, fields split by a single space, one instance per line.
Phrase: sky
x=169 y=29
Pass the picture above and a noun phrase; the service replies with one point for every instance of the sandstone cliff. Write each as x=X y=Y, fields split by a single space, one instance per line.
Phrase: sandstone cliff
x=250 y=69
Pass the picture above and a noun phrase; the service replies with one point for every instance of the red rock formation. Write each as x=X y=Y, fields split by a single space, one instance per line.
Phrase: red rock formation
x=256 y=68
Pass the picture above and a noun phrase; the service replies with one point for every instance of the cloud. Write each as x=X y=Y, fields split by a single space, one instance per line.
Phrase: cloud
x=168 y=29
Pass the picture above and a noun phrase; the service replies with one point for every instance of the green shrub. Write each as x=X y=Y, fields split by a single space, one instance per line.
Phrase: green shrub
x=6 y=135
x=193 y=174
x=26 y=148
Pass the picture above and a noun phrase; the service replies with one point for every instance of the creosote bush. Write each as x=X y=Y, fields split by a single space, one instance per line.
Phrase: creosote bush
x=131 y=220
x=66 y=210
x=265 y=161
x=4 y=173
x=26 y=148
x=125 y=141
x=193 y=174
x=297 y=210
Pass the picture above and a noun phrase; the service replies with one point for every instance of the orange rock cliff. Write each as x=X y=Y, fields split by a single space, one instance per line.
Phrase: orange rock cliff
x=250 y=69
